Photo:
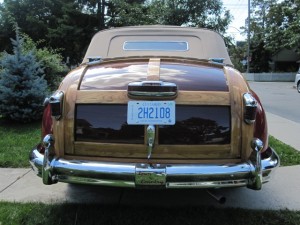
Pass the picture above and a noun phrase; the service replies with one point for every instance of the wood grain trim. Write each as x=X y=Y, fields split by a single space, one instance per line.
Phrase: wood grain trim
x=166 y=161
x=203 y=98
x=236 y=114
x=242 y=133
x=153 y=71
x=69 y=119
x=184 y=97
x=159 y=152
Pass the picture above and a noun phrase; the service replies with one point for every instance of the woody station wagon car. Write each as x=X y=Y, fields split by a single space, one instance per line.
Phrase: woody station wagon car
x=155 y=107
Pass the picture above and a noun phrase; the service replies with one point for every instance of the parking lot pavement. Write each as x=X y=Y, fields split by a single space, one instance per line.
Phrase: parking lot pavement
x=282 y=192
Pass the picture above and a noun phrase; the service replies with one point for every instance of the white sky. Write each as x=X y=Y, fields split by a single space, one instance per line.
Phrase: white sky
x=239 y=10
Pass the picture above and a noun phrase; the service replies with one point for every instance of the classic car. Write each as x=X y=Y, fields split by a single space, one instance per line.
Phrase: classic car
x=155 y=107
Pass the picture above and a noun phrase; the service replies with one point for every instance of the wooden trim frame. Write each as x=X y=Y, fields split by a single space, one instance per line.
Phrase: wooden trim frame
x=160 y=151
x=183 y=98
x=242 y=133
x=183 y=152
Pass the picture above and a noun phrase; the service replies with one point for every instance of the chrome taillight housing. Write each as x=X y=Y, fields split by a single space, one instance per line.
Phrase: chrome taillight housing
x=56 y=104
x=250 y=107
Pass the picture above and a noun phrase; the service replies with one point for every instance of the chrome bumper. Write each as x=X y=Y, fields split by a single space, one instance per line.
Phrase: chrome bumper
x=251 y=174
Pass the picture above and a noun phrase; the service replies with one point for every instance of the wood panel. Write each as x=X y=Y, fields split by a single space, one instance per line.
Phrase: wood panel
x=153 y=71
x=69 y=119
x=242 y=133
x=184 y=97
x=159 y=151
x=144 y=160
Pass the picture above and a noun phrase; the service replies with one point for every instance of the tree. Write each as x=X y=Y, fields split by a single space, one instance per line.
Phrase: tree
x=70 y=24
x=128 y=13
x=194 y=13
x=260 y=55
x=63 y=24
x=283 y=26
x=274 y=26
x=238 y=55
x=22 y=85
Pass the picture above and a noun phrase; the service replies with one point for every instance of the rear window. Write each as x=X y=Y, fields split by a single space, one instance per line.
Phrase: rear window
x=155 y=46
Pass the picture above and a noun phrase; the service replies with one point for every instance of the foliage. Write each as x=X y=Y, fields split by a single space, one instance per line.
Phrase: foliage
x=274 y=26
x=283 y=22
x=260 y=56
x=72 y=31
x=63 y=24
x=237 y=55
x=50 y=59
x=22 y=85
x=128 y=13
x=69 y=25
x=194 y=13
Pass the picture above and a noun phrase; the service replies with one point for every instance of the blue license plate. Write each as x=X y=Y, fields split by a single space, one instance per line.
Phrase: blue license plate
x=151 y=113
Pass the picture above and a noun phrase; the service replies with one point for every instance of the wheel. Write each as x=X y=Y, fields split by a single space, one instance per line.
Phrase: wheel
x=298 y=87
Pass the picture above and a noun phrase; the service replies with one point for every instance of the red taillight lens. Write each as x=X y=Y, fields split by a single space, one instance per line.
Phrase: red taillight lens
x=47 y=121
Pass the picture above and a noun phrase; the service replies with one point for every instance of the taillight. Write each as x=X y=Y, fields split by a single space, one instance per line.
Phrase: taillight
x=56 y=104
x=47 y=121
x=250 y=107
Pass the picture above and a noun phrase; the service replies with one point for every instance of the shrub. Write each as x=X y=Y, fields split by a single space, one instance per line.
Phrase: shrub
x=22 y=84
x=50 y=59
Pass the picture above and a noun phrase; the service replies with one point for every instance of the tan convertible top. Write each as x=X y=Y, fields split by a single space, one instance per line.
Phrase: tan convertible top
x=201 y=43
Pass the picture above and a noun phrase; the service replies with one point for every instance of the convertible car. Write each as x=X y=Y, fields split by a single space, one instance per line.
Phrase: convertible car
x=155 y=107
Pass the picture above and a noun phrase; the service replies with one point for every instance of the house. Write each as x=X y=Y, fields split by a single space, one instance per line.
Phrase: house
x=285 y=60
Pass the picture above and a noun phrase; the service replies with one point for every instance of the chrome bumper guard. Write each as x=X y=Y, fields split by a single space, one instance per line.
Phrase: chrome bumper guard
x=251 y=174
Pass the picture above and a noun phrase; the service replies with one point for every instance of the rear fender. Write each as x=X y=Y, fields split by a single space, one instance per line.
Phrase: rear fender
x=260 y=125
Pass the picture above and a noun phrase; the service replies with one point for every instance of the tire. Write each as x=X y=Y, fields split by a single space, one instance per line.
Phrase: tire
x=298 y=87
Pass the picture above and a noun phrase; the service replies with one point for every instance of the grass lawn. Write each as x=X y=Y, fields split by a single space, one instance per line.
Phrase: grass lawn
x=16 y=142
x=37 y=213
x=287 y=154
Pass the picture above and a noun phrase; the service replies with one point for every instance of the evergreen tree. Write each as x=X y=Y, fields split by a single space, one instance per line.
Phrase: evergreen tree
x=22 y=85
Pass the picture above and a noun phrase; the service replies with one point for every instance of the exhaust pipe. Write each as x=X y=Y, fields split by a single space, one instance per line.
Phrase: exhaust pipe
x=219 y=198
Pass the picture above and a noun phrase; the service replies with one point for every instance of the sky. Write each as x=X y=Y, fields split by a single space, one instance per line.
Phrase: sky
x=239 y=10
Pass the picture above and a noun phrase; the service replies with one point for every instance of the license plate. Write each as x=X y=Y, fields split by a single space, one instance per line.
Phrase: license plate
x=151 y=112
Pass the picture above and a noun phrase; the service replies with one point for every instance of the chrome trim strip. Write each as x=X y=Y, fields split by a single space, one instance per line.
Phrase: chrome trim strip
x=176 y=175
x=250 y=106
x=56 y=103
x=152 y=88
x=255 y=159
